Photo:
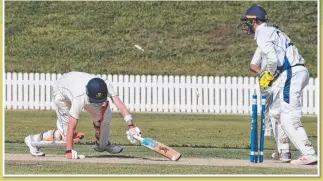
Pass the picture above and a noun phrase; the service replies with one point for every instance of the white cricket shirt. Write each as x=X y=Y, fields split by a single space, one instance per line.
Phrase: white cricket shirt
x=276 y=48
x=72 y=86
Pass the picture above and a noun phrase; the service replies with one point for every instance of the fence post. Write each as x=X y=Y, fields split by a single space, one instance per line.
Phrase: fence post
x=36 y=81
x=25 y=89
x=137 y=93
x=149 y=94
x=234 y=108
x=205 y=95
x=31 y=91
x=228 y=88
x=42 y=91
x=182 y=94
x=20 y=92
x=48 y=92
x=210 y=86
x=194 y=94
x=188 y=88
x=8 y=90
x=154 y=94
x=246 y=98
x=222 y=95
x=14 y=90
x=166 y=97
x=160 y=87
x=143 y=93
x=171 y=94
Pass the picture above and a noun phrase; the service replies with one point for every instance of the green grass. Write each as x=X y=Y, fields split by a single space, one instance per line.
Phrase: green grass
x=180 y=130
x=33 y=167
x=179 y=38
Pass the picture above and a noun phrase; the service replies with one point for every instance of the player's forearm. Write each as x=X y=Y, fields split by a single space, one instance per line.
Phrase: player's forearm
x=123 y=110
x=70 y=131
x=255 y=69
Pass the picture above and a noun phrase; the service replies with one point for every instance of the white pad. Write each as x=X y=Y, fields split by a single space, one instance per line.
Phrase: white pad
x=48 y=139
x=48 y=143
x=292 y=125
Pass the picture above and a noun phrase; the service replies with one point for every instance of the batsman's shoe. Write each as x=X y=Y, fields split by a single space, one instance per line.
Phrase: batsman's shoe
x=111 y=148
x=305 y=160
x=34 y=150
x=284 y=157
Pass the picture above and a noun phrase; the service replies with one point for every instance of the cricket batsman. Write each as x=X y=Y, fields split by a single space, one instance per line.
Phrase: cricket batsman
x=72 y=93
x=286 y=76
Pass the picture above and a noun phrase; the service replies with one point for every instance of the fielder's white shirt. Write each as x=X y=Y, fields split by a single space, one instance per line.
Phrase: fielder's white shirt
x=72 y=86
x=276 y=48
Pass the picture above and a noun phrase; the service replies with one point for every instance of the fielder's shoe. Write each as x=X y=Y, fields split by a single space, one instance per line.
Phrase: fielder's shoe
x=34 y=150
x=113 y=149
x=305 y=160
x=284 y=157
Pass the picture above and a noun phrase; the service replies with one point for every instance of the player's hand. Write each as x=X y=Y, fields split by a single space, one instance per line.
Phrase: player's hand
x=265 y=79
x=77 y=137
x=132 y=131
x=71 y=154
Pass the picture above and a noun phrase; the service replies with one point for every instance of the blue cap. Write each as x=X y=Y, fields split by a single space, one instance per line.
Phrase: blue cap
x=255 y=12
x=97 y=90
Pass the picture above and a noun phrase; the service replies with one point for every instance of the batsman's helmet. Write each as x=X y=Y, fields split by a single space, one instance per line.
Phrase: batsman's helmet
x=255 y=12
x=97 y=90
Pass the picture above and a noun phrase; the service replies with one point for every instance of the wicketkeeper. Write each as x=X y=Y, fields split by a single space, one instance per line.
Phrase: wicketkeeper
x=285 y=76
x=72 y=93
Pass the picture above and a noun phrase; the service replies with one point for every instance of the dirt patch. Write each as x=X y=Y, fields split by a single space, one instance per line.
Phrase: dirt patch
x=122 y=159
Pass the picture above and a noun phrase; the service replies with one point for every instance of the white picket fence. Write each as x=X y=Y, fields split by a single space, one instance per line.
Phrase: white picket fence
x=165 y=94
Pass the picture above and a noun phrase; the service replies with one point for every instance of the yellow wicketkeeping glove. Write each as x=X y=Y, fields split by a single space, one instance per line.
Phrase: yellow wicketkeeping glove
x=264 y=79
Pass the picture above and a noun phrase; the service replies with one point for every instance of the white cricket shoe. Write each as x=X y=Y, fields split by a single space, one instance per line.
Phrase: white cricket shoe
x=111 y=148
x=34 y=150
x=305 y=160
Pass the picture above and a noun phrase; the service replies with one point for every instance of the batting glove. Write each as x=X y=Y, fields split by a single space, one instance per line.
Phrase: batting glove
x=133 y=131
x=71 y=154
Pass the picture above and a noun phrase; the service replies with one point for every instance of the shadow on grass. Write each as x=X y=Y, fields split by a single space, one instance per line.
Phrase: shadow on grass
x=126 y=157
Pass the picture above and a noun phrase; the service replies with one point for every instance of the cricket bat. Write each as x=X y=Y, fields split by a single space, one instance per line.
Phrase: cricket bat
x=160 y=148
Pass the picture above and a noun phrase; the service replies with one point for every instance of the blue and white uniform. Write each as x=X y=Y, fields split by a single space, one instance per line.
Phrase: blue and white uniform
x=282 y=55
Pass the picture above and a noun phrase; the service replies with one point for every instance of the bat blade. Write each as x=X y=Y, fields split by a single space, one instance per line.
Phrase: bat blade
x=160 y=148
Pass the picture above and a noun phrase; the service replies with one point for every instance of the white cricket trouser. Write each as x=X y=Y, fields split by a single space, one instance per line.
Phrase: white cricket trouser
x=292 y=84
x=269 y=101
x=281 y=137
x=101 y=121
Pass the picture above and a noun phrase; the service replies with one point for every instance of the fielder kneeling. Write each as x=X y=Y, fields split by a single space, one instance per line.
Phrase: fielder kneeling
x=72 y=93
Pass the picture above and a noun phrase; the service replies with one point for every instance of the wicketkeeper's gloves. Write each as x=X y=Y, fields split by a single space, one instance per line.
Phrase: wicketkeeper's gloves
x=265 y=79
